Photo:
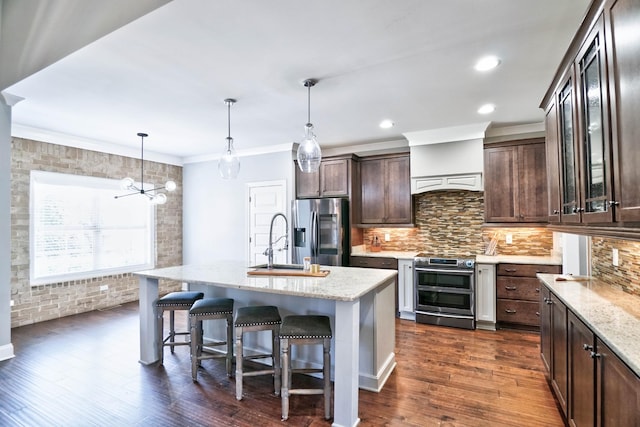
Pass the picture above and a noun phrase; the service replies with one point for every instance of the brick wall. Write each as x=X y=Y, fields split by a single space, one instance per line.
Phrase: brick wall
x=40 y=303
x=450 y=223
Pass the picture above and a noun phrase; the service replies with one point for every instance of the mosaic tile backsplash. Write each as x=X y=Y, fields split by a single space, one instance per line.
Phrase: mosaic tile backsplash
x=450 y=223
x=626 y=275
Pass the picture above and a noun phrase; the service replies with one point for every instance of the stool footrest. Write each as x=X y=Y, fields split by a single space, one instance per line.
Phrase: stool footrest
x=307 y=371
x=256 y=373
x=305 y=391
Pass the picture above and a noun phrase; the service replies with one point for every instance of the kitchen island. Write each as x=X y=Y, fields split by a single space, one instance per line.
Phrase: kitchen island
x=359 y=301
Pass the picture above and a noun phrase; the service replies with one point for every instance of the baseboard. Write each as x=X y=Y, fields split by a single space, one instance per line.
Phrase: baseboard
x=375 y=383
x=6 y=352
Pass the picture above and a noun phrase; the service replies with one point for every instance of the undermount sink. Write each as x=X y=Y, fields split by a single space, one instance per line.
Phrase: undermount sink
x=279 y=267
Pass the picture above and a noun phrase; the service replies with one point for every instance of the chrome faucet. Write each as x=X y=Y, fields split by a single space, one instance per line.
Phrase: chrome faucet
x=269 y=251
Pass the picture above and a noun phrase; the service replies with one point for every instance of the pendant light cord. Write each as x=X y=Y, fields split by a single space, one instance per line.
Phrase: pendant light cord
x=142 y=163
x=308 y=103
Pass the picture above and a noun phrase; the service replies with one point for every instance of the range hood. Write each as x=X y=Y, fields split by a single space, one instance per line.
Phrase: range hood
x=447 y=159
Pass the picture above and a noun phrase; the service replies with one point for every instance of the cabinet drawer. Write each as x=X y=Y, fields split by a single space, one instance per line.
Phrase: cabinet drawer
x=527 y=270
x=374 y=262
x=523 y=288
x=520 y=312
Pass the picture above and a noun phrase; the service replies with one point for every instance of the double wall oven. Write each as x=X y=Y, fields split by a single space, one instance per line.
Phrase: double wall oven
x=444 y=291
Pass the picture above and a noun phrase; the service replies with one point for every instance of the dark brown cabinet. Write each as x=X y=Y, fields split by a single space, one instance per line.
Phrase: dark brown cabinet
x=374 y=262
x=592 y=112
x=518 y=294
x=515 y=175
x=553 y=344
x=333 y=179
x=603 y=390
x=386 y=191
x=593 y=385
x=623 y=61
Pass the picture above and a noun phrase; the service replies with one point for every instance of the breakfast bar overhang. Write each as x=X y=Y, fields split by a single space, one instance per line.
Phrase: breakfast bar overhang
x=359 y=301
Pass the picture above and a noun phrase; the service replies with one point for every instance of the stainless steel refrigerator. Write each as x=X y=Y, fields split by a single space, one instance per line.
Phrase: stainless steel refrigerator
x=321 y=231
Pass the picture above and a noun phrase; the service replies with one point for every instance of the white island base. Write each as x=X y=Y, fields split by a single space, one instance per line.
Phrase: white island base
x=360 y=303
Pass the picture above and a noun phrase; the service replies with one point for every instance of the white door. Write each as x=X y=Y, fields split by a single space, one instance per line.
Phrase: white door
x=265 y=200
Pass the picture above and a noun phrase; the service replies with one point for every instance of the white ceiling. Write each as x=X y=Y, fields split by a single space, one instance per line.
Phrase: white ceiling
x=168 y=72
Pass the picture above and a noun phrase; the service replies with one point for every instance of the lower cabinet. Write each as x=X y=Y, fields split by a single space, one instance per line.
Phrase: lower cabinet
x=486 y=296
x=553 y=344
x=592 y=384
x=518 y=293
x=406 y=294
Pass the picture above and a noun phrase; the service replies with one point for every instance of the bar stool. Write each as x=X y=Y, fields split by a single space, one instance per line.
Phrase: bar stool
x=253 y=319
x=304 y=330
x=172 y=302
x=210 y=309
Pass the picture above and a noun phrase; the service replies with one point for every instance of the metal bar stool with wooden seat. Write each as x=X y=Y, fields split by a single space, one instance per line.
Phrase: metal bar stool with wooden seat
x=253 y=319
x=172 y=302
x=210 y=309
x=305 y=330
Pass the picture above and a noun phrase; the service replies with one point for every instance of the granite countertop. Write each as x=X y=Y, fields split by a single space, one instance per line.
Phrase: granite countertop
x=518 y=259
x=342 y=283
x=611 y=313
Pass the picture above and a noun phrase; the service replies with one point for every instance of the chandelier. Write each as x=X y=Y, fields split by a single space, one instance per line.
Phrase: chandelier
x=309 y=154
x=229 y=164
x=130 y=185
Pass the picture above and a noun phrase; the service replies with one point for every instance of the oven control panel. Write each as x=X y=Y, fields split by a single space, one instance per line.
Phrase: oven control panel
x=457 y=263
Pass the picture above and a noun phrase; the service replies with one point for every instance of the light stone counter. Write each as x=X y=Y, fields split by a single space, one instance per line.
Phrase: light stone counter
x=611 y=313
x=359 y=301
x=518 y=259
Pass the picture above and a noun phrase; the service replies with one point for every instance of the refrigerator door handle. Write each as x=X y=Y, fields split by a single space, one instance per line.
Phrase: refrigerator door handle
x=314 y=235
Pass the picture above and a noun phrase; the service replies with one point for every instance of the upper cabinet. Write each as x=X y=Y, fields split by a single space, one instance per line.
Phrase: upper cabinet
x=592 y=125
x=623 y=55
x=515 y=182
x=386 y=191
x=334 y=178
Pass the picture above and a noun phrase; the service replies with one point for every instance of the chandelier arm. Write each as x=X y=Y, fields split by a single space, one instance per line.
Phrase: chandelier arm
x=129 y=194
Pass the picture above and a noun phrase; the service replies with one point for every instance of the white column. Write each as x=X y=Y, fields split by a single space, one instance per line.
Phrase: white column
x=346 y=357
x=6 y=102
x=148 y=296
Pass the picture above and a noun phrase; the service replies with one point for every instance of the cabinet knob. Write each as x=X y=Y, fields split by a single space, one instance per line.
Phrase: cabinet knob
x=587 y=347
x=595 y=355
x=549 y=301
x=510 y=288
x=509 y=311
x=613 y=203
x=556 y=212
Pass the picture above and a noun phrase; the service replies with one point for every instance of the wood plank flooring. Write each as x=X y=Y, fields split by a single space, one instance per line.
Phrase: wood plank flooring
x=83 y=371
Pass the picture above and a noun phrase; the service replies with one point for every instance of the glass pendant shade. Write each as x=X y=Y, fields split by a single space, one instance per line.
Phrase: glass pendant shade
x=229 y=164
x=309 y=154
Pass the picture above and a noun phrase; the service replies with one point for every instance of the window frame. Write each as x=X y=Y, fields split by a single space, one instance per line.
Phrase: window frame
x=95 y=185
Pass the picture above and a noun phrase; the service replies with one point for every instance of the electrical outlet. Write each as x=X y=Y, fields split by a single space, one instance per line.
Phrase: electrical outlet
x=104 y=287
x=387 y=237
x=11 y=303
x=509 y=238
x=615 y=258
x=185 y=286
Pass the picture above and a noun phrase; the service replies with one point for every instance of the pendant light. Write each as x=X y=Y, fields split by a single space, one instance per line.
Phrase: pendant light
x=129 y=184
x=309 y=154
x=229 y=164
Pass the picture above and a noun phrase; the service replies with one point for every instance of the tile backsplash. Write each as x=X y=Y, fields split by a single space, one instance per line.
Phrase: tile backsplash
x=450 y=223
x=626 y=275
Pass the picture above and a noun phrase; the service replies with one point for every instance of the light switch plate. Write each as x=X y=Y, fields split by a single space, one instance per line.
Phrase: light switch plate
x=615 y=258
x=509 y=238
x=387 y=237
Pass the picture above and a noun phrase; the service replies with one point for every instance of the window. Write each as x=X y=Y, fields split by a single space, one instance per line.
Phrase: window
x=78 y=229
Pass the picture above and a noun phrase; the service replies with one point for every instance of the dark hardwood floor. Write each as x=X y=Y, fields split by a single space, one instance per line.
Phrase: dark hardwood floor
x=83 y=371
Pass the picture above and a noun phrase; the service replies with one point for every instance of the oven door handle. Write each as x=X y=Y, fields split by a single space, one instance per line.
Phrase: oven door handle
x=435 y=270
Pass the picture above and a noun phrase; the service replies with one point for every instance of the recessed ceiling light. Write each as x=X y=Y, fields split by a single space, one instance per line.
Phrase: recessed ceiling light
x=386 y=124
x=487 y=63
x=487 y=109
